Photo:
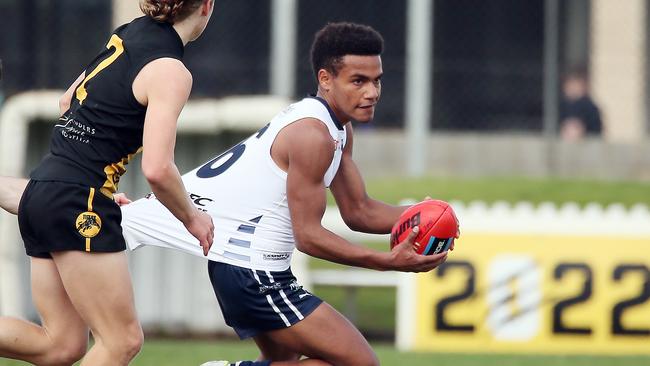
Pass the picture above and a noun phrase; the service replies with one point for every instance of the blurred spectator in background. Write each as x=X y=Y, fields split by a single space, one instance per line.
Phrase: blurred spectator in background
x=579 y=115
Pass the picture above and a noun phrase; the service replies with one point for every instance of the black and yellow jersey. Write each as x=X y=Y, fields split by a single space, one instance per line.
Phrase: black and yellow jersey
x=102 y=130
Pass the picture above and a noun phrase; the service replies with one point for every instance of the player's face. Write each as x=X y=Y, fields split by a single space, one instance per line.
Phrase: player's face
x=356 y=88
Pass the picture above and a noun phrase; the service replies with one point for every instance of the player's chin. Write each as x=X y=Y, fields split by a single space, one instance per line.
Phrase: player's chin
x=364 y=114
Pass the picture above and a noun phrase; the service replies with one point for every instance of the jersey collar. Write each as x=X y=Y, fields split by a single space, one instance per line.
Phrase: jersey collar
x=338 y=123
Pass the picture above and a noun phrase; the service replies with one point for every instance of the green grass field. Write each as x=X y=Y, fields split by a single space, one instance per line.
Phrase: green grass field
x=193 y=353
x=160 y=353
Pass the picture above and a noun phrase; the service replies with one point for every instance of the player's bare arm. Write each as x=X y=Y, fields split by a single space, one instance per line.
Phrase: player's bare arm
x=11 y=189
x=164 y=86
x=305 y=148
x=359 y=211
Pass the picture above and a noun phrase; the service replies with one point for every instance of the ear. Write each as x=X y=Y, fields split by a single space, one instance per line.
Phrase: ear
x=206 y=7
x=325 y=79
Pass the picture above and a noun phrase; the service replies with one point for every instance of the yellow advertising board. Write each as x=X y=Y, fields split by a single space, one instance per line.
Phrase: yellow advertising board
x=534 y=294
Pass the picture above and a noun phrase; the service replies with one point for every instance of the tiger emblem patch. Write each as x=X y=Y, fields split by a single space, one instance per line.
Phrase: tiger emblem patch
x=88 y=224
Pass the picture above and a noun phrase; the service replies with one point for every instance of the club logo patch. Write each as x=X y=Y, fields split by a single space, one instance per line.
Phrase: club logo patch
x=88 y=224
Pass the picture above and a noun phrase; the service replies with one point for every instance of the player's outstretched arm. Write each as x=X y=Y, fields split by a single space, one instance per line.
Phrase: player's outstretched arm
x=11 y=189
x=308 y=149
x=164 y=86
x=359 y=211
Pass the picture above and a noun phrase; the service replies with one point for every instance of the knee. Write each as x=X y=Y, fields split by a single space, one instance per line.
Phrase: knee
x=125 y=345
x=133 y=340
x=370 y=359
x=66 y=354
x=279 y=357
x=367 y=358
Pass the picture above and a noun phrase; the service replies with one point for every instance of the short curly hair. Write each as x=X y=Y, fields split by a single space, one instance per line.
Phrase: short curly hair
x=336 y=40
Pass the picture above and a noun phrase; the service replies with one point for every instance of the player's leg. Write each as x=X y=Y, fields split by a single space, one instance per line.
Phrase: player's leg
x=63 y=337
x=267 y=363
x=273 y=351
x=99 y=286
x=11 y=189
x=81 y=230
x=278 y=313
x=313 y=338
x=280 y=355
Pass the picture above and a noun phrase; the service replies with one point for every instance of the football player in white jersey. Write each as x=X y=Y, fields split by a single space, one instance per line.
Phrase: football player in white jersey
x=267 y=195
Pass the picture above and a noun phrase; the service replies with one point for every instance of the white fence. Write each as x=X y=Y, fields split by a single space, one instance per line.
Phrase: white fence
x=174 y=293
x=501 y=217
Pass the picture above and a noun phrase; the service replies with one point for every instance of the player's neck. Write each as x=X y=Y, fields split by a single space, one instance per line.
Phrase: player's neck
x=330 y=102
x=186 y=31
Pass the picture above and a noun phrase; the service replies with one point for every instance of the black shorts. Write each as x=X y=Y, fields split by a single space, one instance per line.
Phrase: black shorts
x=254 y=302
x=57 y=216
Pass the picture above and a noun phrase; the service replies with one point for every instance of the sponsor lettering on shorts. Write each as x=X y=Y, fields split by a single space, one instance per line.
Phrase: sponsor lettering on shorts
x=276 y=256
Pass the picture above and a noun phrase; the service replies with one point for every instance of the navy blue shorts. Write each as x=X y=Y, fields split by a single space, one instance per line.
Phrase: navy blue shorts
x=254 y=302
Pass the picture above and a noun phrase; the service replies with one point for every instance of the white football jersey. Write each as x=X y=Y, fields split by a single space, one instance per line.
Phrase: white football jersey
x=245 y=192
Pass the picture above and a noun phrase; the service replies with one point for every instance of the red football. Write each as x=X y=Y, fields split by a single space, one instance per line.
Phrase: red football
x=438 y=226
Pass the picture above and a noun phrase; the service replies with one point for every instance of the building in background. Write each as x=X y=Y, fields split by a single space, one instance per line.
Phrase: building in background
x=488 y=68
